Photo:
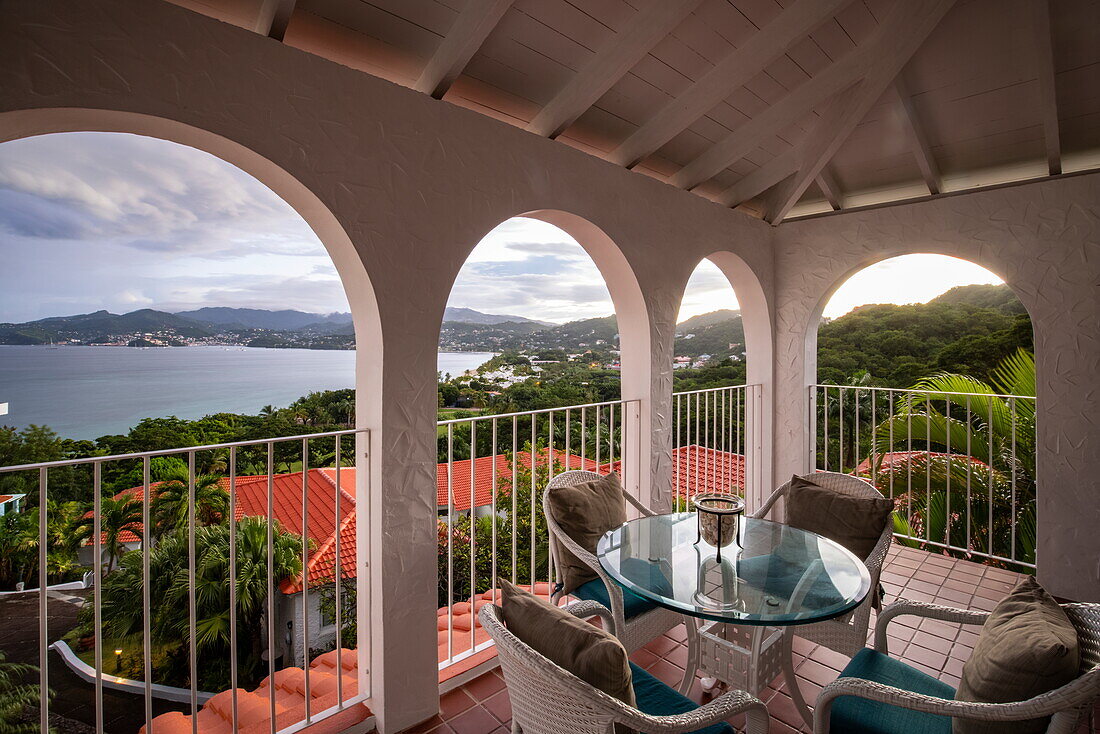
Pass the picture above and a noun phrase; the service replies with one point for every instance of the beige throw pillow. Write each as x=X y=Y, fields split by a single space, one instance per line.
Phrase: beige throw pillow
x=586 y=651
x=1027 y=647
x=854 y=522
x=585 y=512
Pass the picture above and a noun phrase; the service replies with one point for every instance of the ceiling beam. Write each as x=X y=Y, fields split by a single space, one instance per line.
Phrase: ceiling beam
x=918 y=141
x=274 y=17
x=765 y=46
x=762 y=179
x=612 y=62
x=1048 y=97
x=898 y=38
x=829 y=189
x=470 y=29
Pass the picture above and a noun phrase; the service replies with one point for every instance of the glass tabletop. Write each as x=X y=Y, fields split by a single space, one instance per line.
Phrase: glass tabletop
x=772 y=574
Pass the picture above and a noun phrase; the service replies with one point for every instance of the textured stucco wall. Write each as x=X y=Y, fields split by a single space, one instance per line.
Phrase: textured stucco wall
x=400 y=187
x=1043 y=239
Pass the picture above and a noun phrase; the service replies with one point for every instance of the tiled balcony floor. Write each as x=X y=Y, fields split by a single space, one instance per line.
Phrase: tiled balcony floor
x=938 y=648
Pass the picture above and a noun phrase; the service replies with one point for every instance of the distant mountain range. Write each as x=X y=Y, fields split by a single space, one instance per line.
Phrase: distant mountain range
x=252 y=326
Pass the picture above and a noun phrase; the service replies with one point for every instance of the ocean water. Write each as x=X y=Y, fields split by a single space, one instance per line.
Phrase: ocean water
x=86 y=392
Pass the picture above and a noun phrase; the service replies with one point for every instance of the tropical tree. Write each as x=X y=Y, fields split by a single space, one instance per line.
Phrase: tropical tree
x=172 y=502
x=973 y=483
x=117 y=515
x=18 y=548
x=16 y=696
x=169 y=578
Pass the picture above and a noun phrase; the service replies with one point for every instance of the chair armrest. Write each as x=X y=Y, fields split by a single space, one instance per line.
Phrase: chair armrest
x=922 y=609
x=638 y=505
x=720 y=709
x=1070 y=696
x=770 y=502
x=584 y=609
x=614 y=591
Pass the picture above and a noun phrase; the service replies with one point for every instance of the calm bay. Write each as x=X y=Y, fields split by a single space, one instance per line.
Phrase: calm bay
x=86 y=392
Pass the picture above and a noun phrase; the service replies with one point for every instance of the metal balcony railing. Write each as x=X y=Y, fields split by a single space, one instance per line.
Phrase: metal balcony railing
x=960 y=466
x=491 y=476
x=233 y=490
x=716 y=447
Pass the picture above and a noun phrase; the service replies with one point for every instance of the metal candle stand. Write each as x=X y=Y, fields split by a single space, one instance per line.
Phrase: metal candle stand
x=721 y=507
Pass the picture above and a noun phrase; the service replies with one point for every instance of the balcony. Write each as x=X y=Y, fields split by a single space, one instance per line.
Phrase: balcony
x=791 y=144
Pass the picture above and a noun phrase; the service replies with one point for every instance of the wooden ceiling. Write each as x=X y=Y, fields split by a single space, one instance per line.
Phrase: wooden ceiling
x=782 y=108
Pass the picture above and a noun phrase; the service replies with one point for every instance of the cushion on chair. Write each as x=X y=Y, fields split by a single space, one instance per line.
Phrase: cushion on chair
x=854 y=715
x=584 y=511
x=1027 y=647
x=586 y=651
x=633 y=605
x=658 y=699
x=854 y=522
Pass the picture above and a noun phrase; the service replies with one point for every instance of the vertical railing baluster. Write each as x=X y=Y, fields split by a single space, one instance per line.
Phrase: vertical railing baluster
x=339 y=579
x=450 y=602
x=889 y=453
x=677 y=469
x=43 y=609
x=473 y=532
x=493 y=537
x=550 y=468
x=192 y=607
x=855 y=393
x=514 y=491
x=969 y=471
x=840 y=425
x=232 y=521
x=947 y=441
x=584 y=441
x=97 y=601
x=874 y=438
x=989 y=454
x=598 y=432
x=146 y=592
x=825 y=421
x=568 y=445
x=927 y=470
x=305 y=578
x=271 y=583
x=909 y=463
x=1012 y=549
x=533 y=461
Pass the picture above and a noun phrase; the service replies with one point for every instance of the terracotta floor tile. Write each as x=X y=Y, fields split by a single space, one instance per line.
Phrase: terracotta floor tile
x=453 y=703
x=831 y=658
x=484 y=686
x=815 y=672
x=643 y=658
x=931 y=658
x=667 y=673
x=939 y=628
x=424 y=726
x=678 y=633
x=500 y=706
x=662 y=646
x=474 y=721
x=442 y=729
x=678 y=657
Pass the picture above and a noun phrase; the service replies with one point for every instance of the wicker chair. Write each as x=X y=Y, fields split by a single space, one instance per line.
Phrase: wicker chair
x=847 y=634
x=1064 y=705
x=634 y=627
x=547 y=699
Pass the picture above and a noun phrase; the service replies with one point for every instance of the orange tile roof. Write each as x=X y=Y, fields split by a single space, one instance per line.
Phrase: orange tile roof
x=901 y=459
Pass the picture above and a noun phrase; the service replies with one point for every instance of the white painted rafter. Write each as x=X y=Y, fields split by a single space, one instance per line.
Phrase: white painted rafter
x=728 y=75
x=829 y=189
x=918 y=141
x=894 y=50
x=274 y=17
x=1048 y=97
x=612 y=62
x=470 y=29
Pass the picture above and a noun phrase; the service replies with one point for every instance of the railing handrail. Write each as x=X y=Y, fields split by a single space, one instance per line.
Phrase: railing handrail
x=715 y=389
x=927 y=392
x=521 y=413
x=181 y=450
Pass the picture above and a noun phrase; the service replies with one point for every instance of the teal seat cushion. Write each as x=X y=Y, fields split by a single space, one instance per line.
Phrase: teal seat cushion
x=854 y=715
x=644 y=574
x=658 y=699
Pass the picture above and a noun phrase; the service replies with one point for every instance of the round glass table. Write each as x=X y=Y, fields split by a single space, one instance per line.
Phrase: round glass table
x=748 y=596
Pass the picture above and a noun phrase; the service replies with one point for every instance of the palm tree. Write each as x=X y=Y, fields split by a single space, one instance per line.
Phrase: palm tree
x=171 y=504
x=977 y=462
x=169 y=574
x=16 y=696
x=116 y=516
x=18 y=548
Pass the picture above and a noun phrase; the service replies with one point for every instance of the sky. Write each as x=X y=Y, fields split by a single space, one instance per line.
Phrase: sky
x=93 y=221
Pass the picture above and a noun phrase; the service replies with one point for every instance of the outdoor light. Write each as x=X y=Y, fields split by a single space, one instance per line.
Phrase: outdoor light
x=118 y=660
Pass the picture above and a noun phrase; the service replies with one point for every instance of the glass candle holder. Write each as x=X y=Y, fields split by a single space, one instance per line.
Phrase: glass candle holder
x=719 y=517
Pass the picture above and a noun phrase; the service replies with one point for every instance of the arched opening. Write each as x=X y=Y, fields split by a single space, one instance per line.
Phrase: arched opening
x=553 y=328
x=232 y=494
x=926 y=387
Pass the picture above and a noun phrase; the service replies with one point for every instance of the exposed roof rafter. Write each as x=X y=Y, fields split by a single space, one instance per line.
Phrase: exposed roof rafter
x=829 y=189
x=1048 y=97
x=629 y=46
x=918 y=141
x=728 y=75
x=470 y=29
x=274 y=17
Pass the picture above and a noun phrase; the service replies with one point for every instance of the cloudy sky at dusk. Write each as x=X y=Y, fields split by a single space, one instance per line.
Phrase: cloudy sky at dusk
x=94 y=221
